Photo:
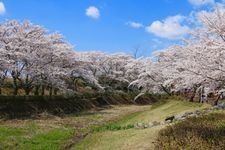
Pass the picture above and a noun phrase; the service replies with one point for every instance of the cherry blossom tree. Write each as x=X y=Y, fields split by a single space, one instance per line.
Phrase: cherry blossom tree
x=36 y=60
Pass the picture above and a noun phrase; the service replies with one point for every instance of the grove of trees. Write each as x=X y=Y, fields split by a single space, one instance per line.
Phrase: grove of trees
x=34 y=59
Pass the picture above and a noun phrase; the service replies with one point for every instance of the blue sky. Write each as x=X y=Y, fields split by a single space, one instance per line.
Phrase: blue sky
x=111 y=25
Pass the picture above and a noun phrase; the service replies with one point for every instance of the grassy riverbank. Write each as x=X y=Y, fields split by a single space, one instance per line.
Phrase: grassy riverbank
x=132 y=138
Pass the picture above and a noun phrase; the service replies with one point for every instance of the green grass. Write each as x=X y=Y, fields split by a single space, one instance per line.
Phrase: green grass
x=33 y=138
x=52 y=133
x=51 y=140
x=113 y=128
x=132 y=138
x=202 y=133
x=160 y=111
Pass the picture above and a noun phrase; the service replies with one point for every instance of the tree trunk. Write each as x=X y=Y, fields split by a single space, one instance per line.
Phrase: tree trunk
x=55 y=91
x=166 y=90
x=200 y=97
x=27 y=91
x=27 y=86
x=193 y=95
x=42 y=90
x=217 y=100
x=50 y=91
x=75 y=85
x=15 y=86
x=36 y=91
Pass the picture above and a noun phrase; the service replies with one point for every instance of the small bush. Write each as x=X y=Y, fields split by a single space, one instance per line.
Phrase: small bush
x=201 y=133
x=114 y=127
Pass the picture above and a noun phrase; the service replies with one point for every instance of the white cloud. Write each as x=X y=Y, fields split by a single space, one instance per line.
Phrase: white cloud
x=2 y=8
x=170 y=28
x=93 y=12
x=201 y=2
x=135 y=24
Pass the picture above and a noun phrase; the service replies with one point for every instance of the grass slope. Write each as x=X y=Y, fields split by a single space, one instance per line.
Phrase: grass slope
x=51 y=133
x=132 y=138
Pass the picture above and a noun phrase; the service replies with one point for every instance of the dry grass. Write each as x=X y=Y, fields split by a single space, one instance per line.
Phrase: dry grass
x=202 y=133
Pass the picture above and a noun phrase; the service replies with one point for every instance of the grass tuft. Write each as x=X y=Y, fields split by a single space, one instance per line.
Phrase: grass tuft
x=114 y=127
